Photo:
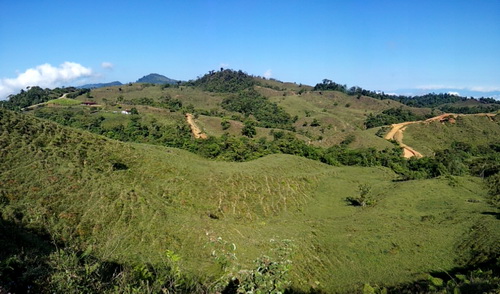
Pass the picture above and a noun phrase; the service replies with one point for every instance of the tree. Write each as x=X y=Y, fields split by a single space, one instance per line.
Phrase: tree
x=225 y=124
x=315 y=123
x=249 y=129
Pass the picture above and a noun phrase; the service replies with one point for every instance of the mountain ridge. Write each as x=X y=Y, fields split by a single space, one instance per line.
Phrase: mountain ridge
x=100 y=85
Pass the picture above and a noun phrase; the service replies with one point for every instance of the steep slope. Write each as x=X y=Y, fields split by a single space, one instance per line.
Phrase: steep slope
x=131 y=203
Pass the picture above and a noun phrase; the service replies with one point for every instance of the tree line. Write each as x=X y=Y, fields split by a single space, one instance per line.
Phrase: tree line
x=431 y=100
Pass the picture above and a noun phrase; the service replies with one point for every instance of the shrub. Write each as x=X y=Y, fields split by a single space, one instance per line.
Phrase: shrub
x=363 y=199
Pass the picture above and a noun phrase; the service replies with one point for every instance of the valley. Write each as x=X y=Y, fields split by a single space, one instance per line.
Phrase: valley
x=189 y=187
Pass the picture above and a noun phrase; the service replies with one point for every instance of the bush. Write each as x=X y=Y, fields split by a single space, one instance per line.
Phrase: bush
x=363 y=199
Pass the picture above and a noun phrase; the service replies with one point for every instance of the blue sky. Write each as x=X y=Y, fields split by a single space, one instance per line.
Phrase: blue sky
x=408 y=47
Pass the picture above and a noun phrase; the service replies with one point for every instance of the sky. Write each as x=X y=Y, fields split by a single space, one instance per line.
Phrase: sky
x=398 y=46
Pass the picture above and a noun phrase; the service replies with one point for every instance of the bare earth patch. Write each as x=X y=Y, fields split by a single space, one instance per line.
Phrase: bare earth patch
x=197 y=132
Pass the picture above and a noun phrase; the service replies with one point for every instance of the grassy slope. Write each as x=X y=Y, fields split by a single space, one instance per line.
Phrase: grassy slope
x=474 y=130
x=336 y=120
x=63 y=180
x=340 y=115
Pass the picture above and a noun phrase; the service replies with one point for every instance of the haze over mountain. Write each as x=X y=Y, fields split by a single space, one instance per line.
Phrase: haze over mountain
x=100 y=85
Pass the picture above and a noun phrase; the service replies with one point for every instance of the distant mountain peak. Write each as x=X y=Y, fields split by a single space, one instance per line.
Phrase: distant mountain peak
x=155 y=78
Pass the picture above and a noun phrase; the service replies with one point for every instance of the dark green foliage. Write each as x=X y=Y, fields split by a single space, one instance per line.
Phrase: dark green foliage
x=348 y=140
x=134 y=111
x=225 y=124
x=173 y=104
x=249 y=129
x=77 y=93
x=382 y=131
x=119 y=166
x=328 y=85
x=224 y=81
x=430 y=100
x=391 y=116
x=470 y=109
x=268 y=114
x=36 y=95
x=493 y=183
x=315 y=123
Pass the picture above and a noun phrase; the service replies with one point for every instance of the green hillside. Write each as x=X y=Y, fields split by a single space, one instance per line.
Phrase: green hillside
x=321 y=116
x=472 y=130
x=149 y=208
x=294 y=188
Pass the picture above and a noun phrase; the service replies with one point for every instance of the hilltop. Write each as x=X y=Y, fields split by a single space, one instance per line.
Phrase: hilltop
x=156 y=79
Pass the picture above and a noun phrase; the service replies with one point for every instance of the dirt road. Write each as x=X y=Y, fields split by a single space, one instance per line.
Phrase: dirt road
x=197 y=132
x=31 y=107
x=396 y=132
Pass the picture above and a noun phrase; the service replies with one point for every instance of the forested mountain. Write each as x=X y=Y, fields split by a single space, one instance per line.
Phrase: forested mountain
x=156 y=79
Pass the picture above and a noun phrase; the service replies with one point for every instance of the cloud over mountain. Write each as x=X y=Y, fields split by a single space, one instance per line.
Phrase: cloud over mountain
x=45 y=75
x=107 y=65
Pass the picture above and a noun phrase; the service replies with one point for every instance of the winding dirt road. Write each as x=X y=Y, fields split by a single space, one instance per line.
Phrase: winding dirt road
x=197 y=132
x=396 y=132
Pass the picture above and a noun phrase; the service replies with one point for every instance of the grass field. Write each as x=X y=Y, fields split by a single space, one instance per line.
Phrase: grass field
x=132 y=202
x=64 y=102
x=474 y=130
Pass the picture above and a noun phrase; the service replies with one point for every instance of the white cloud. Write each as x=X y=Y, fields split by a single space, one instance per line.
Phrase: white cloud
x=107 y=65
x=454 y=93
x=436 y=87
x=45 y=76
x=484 y=89
x=467 y=88
x=268 y=74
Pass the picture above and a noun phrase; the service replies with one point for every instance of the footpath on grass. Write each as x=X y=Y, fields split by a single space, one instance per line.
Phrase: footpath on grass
x=396 y=132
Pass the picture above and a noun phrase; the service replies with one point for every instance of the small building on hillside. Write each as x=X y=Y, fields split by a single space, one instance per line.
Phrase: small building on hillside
x=89 y=103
